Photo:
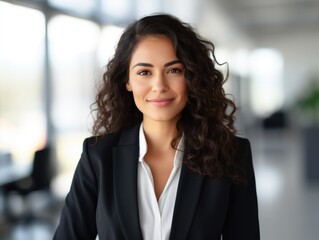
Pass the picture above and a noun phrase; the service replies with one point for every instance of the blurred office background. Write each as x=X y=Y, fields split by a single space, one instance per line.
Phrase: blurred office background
x=52 y=55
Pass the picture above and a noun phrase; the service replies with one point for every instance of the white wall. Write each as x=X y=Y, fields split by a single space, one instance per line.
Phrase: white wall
x=300 y=50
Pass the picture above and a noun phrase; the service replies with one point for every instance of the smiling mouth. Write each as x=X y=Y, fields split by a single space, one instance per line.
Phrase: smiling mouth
x=161 y=102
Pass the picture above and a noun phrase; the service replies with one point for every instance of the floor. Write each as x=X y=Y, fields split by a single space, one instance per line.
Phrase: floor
x=288 y=204
x=34 y=218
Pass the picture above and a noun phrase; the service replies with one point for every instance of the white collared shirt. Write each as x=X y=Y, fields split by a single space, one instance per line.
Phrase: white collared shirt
x=156 y=216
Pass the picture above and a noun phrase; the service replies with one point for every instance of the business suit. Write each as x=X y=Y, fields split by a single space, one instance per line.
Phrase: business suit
x=103 y=197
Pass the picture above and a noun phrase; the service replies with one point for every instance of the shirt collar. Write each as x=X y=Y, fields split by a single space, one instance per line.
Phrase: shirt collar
x=143 y=148
x=143 y=145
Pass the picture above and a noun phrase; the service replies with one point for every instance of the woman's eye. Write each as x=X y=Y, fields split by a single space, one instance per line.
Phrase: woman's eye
x=143 y=72
x=175 y=70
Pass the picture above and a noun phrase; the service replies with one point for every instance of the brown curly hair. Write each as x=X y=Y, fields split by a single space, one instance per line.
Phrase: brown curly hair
x=207 y=121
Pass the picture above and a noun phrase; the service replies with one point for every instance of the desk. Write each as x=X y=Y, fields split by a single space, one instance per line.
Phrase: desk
x=13 y=172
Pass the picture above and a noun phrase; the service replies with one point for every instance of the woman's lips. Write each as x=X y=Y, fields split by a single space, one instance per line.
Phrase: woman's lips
x=160 y=102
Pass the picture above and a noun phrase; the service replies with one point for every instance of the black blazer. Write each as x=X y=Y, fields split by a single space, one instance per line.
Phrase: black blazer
x=103 y=197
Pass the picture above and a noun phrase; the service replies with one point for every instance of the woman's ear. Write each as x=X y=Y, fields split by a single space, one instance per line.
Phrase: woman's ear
x=128 y=86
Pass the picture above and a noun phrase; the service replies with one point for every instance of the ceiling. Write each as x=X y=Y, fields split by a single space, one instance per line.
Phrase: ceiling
x=257 y=17
x=254 y=18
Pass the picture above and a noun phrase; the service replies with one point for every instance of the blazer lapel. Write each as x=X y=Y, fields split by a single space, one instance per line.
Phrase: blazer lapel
x=188 y=192
x=125 y=162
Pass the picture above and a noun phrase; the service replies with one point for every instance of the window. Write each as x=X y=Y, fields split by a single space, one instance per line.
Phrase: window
x=22 y=119
x=72 y=48
x=85 y=7
x=266 y=74
x=118 y=11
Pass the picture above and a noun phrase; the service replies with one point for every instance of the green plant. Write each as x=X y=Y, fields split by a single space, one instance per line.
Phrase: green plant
x=309 y=103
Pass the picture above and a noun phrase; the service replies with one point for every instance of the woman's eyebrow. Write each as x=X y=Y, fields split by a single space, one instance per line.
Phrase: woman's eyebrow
x=151 y=65
x=172 y=63
x=143 y=65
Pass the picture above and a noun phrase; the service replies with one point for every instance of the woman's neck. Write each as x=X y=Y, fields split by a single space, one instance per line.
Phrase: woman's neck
x=159 y=135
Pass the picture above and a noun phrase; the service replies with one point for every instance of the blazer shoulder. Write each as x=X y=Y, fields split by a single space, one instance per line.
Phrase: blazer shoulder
x=110 y=139
x=126 y=136
x=244 y=160
x=243 y=146
x=242 y=141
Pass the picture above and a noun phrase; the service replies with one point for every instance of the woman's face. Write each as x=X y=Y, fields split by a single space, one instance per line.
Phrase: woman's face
x=157 y=81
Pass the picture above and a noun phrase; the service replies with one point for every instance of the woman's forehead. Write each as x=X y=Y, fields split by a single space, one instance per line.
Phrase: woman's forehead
x=154 y=48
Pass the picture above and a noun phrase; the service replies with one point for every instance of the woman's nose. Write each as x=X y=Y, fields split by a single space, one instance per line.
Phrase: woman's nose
x=159 y=83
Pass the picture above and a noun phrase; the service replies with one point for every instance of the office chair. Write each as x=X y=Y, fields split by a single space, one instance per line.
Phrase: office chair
x=43 y=171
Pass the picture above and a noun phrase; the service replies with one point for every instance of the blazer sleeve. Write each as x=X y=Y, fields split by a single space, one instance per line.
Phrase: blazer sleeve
x=242 y=220
x=78 y=215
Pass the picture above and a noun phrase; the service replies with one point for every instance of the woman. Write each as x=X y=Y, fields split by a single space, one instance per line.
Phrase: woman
x=165 y=162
